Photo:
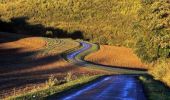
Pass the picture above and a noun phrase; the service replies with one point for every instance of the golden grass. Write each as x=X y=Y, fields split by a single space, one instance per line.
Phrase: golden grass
x=59 y=69
x=26 y=44
x=116 y=56
x=23 y=77
x=82 y=15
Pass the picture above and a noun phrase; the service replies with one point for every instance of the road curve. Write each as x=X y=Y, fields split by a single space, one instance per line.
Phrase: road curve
x=76 y=57
x=117 y=87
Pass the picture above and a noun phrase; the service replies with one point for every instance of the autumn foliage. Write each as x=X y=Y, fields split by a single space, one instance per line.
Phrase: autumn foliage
x=116 y=57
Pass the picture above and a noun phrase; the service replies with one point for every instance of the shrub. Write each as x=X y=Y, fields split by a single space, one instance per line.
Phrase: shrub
x=93 y=17
x=161 y=71
x=68 y=78
x=49 y=33
x=153 y=37
x=51 y=81
x=103 y=40
x=153 y=31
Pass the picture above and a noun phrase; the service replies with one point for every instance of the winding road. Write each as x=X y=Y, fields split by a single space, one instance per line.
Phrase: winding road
x=116 y=87
x=77 y=57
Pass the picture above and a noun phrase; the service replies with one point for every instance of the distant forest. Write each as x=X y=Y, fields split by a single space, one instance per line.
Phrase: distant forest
x=143 y=25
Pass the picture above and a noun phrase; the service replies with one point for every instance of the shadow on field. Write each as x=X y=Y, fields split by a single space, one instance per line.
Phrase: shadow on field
x=8 y=37
x=21 y=26
x=21 y=68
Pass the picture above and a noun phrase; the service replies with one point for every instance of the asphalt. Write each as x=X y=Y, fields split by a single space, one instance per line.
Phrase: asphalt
x=117 y=87
x=72 y=57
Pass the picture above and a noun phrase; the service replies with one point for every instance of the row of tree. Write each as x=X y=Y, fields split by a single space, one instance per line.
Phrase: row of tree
x=153 y=37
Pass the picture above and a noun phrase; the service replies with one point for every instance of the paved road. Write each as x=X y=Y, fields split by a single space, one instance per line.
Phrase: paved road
x=118 y=87
x=72 y=57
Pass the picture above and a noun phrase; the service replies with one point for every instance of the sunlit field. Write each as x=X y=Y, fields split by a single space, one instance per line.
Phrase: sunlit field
x=98 y=20
x=49 y=47
x=116 y=57
x=28 y=63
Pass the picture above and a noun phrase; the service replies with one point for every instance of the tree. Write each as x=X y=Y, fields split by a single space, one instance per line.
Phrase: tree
x=153 y=30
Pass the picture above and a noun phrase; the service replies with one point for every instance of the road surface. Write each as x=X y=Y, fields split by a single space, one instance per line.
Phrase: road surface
x=117 y=87
x=72 y=57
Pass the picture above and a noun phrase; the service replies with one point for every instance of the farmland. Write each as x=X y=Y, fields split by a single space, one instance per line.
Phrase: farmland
x=46 y=44
x=32 y=61
x=116 y=57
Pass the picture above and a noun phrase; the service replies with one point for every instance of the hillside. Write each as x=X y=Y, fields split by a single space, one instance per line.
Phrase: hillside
x=27 y=63
x=133 y=28
x=116 y=57
x=102 y=21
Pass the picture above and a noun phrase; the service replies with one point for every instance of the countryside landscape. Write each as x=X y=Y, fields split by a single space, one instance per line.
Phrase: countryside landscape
x=84 y=49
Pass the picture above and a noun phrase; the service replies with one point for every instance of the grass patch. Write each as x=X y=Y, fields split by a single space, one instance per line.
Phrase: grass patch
x=116 y=56
x=49 y=52
x=155 y=90
x=55 y=89
x=116 y=16
x=94 y=47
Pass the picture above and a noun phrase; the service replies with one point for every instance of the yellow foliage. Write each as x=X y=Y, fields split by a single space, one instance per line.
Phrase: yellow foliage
x=116 y=56
x=161 y=71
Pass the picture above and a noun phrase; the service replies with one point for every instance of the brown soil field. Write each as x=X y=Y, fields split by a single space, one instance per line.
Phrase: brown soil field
x=26 y=44
x=116 y=57
x=21 y=71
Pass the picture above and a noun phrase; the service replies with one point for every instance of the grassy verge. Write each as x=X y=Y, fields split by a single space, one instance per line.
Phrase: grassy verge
x=36 y=95
x=64 y=54
x=94 y=48
x=116 y=56
x=155 y=90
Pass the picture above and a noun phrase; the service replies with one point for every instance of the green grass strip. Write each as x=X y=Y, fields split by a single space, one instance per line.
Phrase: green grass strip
x=95 y=48
x=55 y=89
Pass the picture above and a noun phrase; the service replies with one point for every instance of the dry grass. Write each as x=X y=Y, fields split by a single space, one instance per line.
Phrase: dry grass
x=33 y=78
x=116 y=56
x=21 y=73
x=27 y=44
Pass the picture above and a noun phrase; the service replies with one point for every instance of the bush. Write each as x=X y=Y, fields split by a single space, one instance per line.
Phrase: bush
x=103 y=40
x=68 y=78
x=153 y=37
x=51 y=81
x=152 y=31
x=94 y=18
x=161 y=71
x=49 y=33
